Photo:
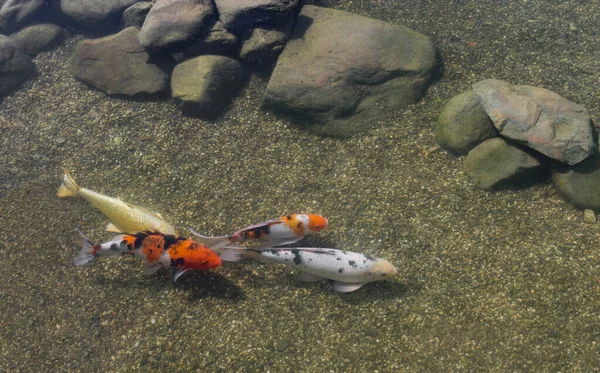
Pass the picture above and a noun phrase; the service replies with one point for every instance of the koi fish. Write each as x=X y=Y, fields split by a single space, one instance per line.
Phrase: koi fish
x=276 y=232
x=126 y=217
x=157 y=249
x=348 y=270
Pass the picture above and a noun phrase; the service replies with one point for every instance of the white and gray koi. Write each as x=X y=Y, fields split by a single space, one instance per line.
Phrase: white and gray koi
x=348 y=270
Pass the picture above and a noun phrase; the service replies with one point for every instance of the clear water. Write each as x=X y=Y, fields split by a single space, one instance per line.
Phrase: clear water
x=489 y=281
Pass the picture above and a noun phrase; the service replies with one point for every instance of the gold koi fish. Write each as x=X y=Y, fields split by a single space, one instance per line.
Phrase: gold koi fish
x=125 y=217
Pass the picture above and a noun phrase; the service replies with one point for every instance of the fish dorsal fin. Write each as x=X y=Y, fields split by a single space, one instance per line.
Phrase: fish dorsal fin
x=151 y=268
x=308 y=277
x=259 y=225
x=347 y=287
x=178 y=274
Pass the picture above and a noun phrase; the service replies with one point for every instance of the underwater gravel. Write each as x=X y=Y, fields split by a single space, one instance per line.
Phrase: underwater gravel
x=489 y=281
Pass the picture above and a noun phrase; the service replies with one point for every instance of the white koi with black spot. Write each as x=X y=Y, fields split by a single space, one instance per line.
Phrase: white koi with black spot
x=349 y=270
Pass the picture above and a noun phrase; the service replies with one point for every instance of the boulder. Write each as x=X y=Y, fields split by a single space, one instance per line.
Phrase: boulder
x=539 y=119
x=15 y=66
x=34 y=39
x=463 y=124
x=136 y=14
x=172 y=22
x=580 y=184
x=103 y=16
x=119 y=65
x=205 y=85
x=340 y=71
x=16 y=13
x=241 y=14
x=498 y=163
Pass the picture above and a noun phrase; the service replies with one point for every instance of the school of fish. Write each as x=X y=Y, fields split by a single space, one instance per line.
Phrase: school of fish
x=146 y=235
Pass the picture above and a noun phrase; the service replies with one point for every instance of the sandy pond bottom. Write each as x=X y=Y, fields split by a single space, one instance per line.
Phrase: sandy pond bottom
x=489 y=281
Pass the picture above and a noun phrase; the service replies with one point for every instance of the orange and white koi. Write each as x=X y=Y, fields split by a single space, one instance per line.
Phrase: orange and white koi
x=125 y=217
x=276 y=232
x=157 y=249
x=348 y=270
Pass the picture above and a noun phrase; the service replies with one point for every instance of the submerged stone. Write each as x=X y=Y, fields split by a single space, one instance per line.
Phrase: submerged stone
x=580 y=184
x=498 y=163
x=539 y=119
x=205 y=85
x=171 y=22
x=118 y=64
x=35 y=39
x=463 y=124
x=340 y=71
x=15 y=66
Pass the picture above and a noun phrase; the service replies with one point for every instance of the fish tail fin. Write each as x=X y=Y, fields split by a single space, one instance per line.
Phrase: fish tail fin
x=69 y=187
x=240 y=254
x=211 y=242
x=88 y=251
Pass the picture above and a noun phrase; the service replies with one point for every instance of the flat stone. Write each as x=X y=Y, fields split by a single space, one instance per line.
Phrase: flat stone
x=538 y=118
x=15 y=66
x=340 y=72
x=34 y=39
x=463 y=124
x=499 y=163
x=172 y=22
x=203 y=86
x=118 y=64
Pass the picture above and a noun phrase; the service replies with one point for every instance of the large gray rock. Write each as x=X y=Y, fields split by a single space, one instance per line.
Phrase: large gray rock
x=205 y=85
x=539 y=119
x=16 y=13
x=172 y=22
x=463 y=124
x=340 y=71
x=136 y=14
x=98 y=15
x=238 y=14
x=498 y=163
x=580 y=184
x=34 y=39
x=15 y=66
x=118 y=64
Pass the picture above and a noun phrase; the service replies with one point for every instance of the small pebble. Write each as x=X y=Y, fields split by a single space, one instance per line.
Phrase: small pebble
x=589 y=217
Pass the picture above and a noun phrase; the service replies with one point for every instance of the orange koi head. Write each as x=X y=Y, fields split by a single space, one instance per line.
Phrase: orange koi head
x=316 y=222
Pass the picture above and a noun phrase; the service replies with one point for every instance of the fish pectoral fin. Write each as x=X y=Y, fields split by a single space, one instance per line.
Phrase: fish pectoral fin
x=211 y=242
x=151 y=268
x=178 y=274
x=280 y=242
x=346 y=287
x=111 y=227
x=308 y=277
